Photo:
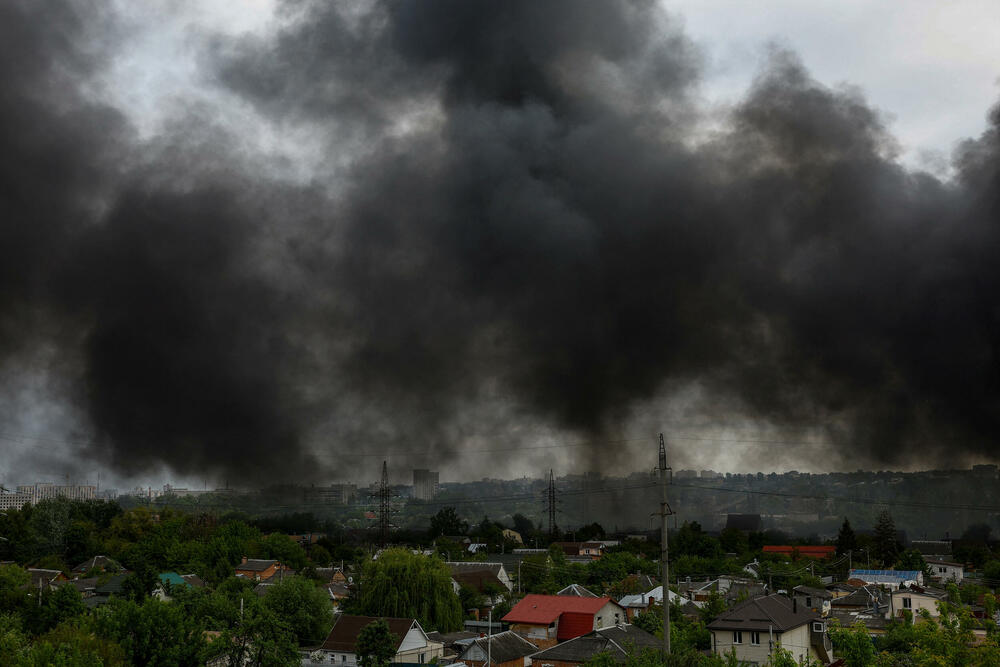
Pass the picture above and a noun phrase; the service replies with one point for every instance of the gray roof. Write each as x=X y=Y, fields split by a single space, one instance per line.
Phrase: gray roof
x=875 y=620
x=256 y=564
x=459 y=567
x=771 y=611
x=503 y=647
x=932 y=547
x=114 y=585
x=577 y=590
x=813 y=592
x=862 y=597
x=103 y=562
x=83 y=585
x=616 y=641
x=193 y=580
x=42 y=576
x=450 y=639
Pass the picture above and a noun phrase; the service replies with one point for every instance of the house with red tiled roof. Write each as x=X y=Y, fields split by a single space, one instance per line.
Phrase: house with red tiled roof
x=804 y=551
x=545 y=620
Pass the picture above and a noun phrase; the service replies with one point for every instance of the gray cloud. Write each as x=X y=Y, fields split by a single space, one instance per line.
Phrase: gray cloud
x=533 y=224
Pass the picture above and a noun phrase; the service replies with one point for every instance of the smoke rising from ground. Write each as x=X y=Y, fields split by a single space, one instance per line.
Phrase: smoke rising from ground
x=521 y=218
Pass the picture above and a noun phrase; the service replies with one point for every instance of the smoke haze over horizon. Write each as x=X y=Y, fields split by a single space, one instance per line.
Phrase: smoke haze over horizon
x=451 y=230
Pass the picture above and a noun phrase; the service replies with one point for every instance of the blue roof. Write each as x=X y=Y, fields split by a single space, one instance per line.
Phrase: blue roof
x=899 y=574
x=173 y=579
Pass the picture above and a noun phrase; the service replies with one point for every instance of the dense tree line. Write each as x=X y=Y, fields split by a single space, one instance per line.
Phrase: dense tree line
x=228 y=619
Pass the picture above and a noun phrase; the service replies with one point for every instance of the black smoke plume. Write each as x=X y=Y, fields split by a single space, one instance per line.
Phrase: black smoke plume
x=519 y=204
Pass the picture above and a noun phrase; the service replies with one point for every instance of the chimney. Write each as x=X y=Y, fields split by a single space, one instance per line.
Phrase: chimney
x=243 y=562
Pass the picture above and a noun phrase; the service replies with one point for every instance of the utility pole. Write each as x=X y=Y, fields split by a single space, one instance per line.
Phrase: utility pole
x=665 y=511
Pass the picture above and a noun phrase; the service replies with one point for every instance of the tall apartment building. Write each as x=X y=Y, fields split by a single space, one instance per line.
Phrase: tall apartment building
x=335 y=494
x=43 y=490
x=425 y=484
x=14 y=501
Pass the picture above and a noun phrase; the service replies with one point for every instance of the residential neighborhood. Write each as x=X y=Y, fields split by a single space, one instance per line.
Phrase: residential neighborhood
x=327 y=603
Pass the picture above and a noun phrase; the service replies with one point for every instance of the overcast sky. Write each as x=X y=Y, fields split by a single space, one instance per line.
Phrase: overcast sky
x=929 y=66
x=930 y=69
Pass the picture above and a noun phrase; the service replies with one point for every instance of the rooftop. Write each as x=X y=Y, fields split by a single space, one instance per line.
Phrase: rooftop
x=544 y=609
x=616 y=641
x=771 y=611
x=503 y=647
x=344 y=635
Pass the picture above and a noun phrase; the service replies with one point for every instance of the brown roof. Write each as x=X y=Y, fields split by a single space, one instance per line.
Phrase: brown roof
x=771 y=611
x=256 y=565
x=477 y=579
x=344 y=635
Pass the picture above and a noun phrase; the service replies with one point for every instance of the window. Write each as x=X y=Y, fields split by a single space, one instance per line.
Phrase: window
x=942 y=570
x=737 y=636
x=343 y=658
x=809 y=601
x=907 y=603
x=755 y=638
x=599 y=621
x=617 y=618
x=818 y=627
x=422 y=658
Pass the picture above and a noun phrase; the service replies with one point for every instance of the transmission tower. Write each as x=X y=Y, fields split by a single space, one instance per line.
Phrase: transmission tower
x=550 y=505
x=383 y=506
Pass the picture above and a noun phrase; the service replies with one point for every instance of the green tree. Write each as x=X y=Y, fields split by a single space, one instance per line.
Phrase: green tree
x=911 y=559
x=305 y=607
x=524 y=526
x=715 y=605
x=62 y=604
x=319 y=556
x=152 y=632
x=258 y=638
x=886 y=546
x=733 y=541
x=854 y=645
x=447 y=522
x=74 y=646
x=403 y=584
x=280 y=547
x=376 y=644
x=846 y=539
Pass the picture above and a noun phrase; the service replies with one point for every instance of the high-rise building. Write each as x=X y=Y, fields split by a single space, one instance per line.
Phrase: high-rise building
x=14 y=501
x=425 y=484
x=43 y=490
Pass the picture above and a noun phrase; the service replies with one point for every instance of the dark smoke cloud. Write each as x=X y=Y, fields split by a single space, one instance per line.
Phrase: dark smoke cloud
x=533 y=213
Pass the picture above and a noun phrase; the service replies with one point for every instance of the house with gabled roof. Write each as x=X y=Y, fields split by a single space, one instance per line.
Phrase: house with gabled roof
x=504 y=649
x=617 y=642
x=914 y=599
x=411 y=642
x=101 y=563
x=641 y=602
x=43 y=578
x=258 y=569
x=753 y=631
x=545 y=620
x=475 y=574
x=577 y=590
x=946 y=570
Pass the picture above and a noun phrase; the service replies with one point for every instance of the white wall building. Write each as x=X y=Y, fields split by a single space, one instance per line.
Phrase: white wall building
x=946 y=571
x=14 y=501
x=44 y=490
